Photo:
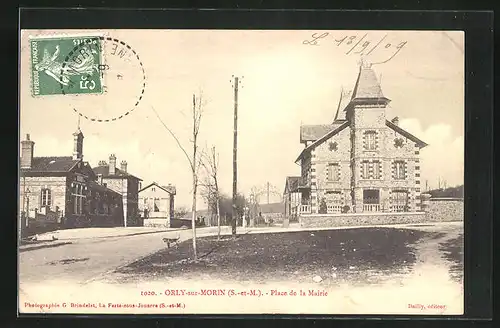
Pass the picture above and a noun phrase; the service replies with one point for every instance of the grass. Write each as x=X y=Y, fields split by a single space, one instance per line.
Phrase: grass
x=363 y=255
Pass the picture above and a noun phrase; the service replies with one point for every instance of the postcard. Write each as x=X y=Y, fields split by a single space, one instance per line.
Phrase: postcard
x=241 y=172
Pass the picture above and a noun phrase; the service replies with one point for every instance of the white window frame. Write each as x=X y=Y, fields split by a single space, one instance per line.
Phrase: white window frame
x=46 y=197
x=370 y=140
x=333 y=174
x=77 y=196
x=399 y=170
x=365 y=169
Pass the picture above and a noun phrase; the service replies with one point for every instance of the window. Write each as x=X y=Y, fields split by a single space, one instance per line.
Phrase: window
x=334 y=201
x=376 y=169
x=365 y=169
x=370 y=140
x=155 y=205
x=77 y=197
x=46 y=197
x=333 y=172
x=399 y=170
x=399 y=201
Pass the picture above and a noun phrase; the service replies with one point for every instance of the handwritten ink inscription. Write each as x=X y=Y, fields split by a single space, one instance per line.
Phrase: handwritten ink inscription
x=380 y=49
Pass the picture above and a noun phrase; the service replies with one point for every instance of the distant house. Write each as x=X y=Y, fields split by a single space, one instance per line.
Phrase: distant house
x=202 y=217
x=291 y=197
x=123 y=183
x=156 y=204
x=272 y=212
x=64 y=191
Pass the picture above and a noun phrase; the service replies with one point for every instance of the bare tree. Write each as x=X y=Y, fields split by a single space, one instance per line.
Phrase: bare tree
x=194 y=161
x=213 y=196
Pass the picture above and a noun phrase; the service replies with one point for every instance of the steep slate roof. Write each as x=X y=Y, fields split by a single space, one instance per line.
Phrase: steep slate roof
x=367 y=85
x=119 y=174
x=291 y=184
x=319 y=141
x=345 y=99
x=52 y=164
x=314 y=132
x=169 y=189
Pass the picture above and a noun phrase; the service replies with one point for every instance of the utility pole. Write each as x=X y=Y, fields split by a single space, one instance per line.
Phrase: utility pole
x=235 y=148
x=268 y=192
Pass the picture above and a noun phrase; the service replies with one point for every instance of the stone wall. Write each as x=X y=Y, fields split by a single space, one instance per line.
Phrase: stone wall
x=445 y=209
x=156 y=223
x=438 y=210
x=359 y=219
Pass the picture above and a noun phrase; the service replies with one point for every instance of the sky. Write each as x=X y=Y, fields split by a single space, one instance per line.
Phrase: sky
x=287 y=80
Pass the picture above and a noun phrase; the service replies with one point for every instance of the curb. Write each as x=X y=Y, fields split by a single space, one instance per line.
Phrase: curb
x=125 y=235
x=26 y=249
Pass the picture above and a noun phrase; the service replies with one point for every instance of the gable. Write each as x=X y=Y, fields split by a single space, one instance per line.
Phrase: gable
x=85 y=169
x=322 y=139
x=157 y=189
x=406 y=134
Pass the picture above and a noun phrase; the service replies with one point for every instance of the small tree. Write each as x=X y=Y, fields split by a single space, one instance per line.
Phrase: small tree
x=195 y=160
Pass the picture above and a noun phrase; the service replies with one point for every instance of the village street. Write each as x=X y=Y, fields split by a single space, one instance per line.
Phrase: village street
x=88 y=258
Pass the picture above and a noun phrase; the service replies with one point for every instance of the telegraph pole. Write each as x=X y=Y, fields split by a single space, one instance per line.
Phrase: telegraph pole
x=268 y=192
x=235 y=148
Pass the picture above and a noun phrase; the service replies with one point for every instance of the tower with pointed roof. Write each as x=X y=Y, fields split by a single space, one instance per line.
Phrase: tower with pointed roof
x=367 y=121
x=78 y=142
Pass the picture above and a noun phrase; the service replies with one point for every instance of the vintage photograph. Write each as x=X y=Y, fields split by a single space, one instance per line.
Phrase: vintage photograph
x=241 y=172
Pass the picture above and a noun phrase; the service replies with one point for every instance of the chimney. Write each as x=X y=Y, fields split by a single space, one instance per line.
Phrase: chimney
x=123 y=166
x=102 y=163
x=395 y=120
x=27 y=150
x=112 y=164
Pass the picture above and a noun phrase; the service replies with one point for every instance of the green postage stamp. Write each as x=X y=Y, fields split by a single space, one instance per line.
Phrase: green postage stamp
x=66 y=65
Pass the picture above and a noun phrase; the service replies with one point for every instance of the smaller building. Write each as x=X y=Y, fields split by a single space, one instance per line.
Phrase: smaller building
x=156 y=204
x=292 y=198
x=124 y=183
x=271 y=213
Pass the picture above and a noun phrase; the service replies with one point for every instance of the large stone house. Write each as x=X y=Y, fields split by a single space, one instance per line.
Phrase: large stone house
x=124 y=183
x=63 y=190
x=156 y=204
x=361 y=162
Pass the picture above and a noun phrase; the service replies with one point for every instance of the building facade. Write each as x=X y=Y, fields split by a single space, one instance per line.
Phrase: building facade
x=156 y=204
x=361 y=162
x=125 y=184
x=63 y=190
